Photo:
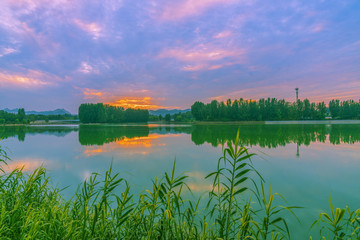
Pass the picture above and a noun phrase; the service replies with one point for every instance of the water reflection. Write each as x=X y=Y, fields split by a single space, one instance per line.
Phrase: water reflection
x=135 y=145
x=21 y=131
x=265 y=136
x=26 y=164
x=272 y=136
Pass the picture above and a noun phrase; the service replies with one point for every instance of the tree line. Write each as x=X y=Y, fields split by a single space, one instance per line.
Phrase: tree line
x=101 y=113
x=345 y=109
x=21 y=118
x=9 y=118
x=176 y=117
x=273 y=109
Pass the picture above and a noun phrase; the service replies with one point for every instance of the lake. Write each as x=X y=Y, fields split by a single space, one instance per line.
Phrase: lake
x=305 y=163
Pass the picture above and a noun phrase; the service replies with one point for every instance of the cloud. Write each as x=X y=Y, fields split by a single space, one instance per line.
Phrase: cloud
x=178 y=10
x=86 y=68
x=202 y=67
x=317 y=28
x=224 y=34
x=13 y=13
x=19 y=32
x=195 y=67
x=30 y=79
x=137 y=102
x=111 y=97
x=6 y=51
x=93 y=28
x=202 y=53
x=91 y=93
x=205 y=57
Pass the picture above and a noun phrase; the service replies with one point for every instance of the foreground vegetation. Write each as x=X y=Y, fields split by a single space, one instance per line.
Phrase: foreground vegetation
x=237 y=207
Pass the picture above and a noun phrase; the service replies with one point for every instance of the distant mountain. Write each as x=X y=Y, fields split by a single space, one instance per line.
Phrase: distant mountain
x=163 y=112
x=46 y=113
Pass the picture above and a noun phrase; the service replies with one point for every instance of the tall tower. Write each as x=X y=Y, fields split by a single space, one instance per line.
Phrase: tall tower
x=297 y=94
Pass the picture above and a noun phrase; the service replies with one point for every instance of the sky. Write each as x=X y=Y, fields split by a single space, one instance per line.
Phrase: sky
x=169 y=54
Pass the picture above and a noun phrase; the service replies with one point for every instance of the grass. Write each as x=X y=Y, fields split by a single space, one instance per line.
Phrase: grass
x=236 y=207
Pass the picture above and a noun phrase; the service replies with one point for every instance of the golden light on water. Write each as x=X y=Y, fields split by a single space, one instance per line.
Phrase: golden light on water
x=93 y=151
x=27 y=165
x=150 y=141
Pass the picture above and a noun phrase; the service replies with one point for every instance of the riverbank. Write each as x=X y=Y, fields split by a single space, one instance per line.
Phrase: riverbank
x=153 y=123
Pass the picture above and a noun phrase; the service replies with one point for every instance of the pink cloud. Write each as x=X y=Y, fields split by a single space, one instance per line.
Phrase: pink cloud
x=93 y=28
x=6 y=51
x=31 y=79
x=317 y=28
x=181 y=9
x=223 y=34
x=195 y=67
x=201 y=67
x=11 y=21
x=205 y=57
x=202 y=53
x=13 y=10
x=86 y=68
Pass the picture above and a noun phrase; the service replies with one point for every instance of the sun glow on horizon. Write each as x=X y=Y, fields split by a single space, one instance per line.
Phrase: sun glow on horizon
x=138 y=103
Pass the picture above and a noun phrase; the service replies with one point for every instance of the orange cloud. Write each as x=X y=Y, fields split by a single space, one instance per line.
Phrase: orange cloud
x=32 y=79
x=91 y=93
x=136 y=102
x=178 y=10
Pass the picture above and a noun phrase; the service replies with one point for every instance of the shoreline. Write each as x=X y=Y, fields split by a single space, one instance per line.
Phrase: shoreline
x=285 y=122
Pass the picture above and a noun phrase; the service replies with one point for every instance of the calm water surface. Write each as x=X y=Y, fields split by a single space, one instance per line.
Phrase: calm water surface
x=304 y=163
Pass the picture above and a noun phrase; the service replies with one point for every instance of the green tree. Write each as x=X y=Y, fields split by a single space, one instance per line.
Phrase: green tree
x=21 y=114
x=197 y=110
x=168 y=117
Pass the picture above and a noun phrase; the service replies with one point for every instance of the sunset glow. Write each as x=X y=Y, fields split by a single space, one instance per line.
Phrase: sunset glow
x=137 y=103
